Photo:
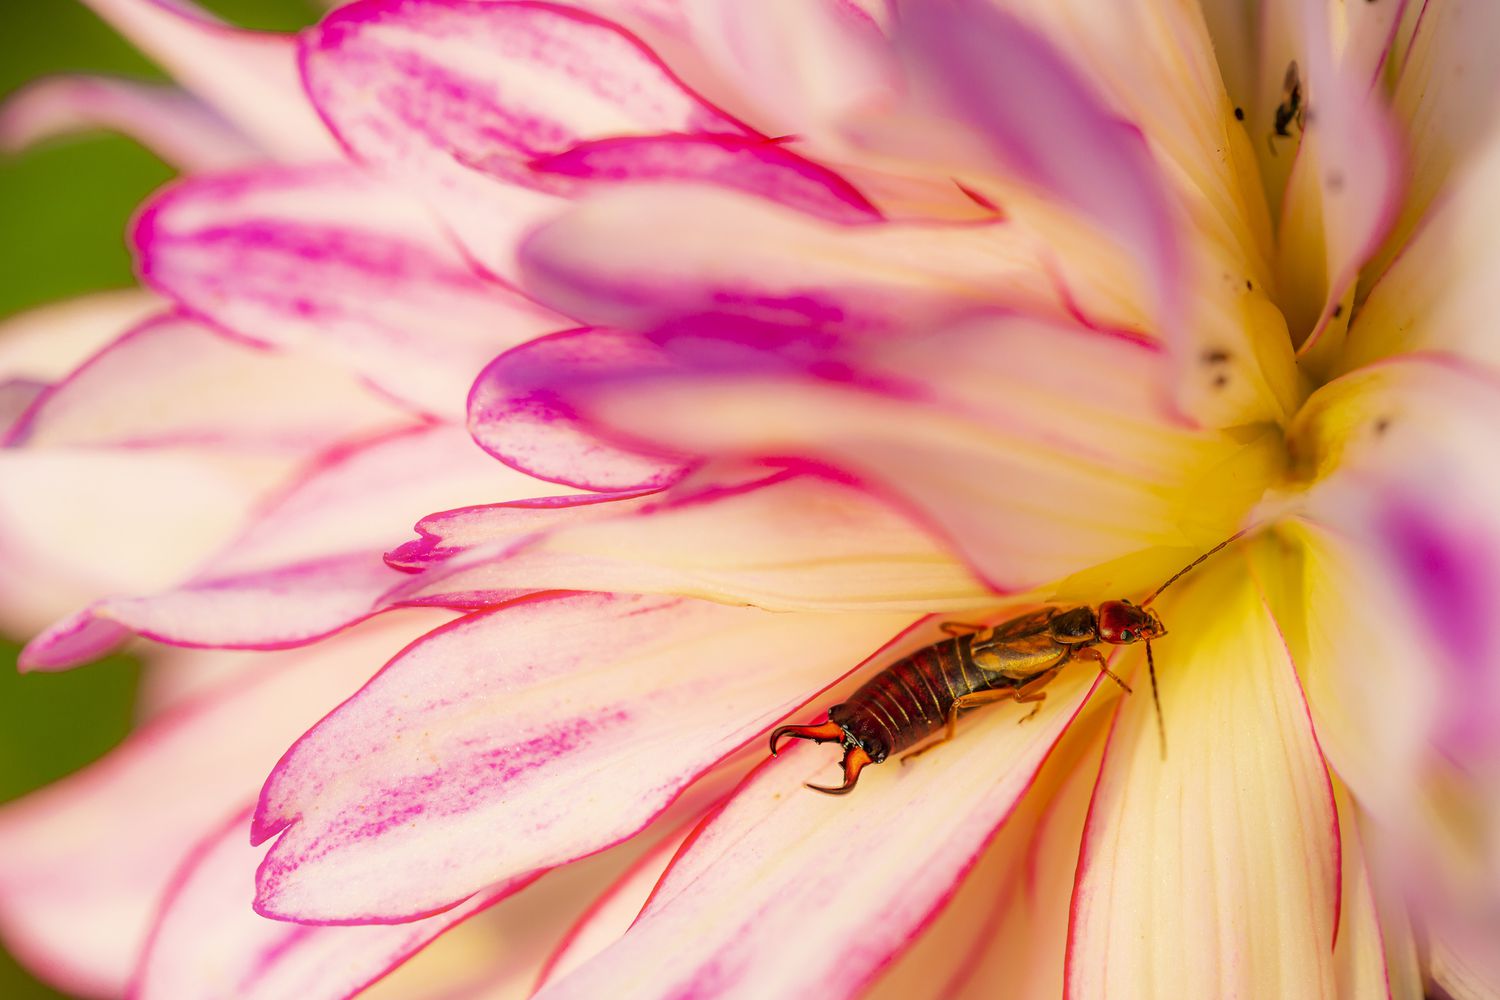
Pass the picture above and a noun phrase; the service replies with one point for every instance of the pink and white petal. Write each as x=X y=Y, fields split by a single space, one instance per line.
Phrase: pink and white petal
x=329 y=262
x=1005 y=932
x=84 y=862
x=310 y=563
x=1432 y=826
x=1373 y=957
x=1439 y=292
x=46 y=344
x=208 y=943
x=756 y=166
x=611 y=915
x=1242 y=803
x=528 y=427
x=17 y=395
x=1398 y=489
x=174 y=382
x=966 y=54
x=801 y=64
x=453 y=99
x=1371 y=33
x=476 y=728
x=1354 y=643
x=947 y=425
x=790 y=543
x=451 y=534
x=1156 y=66
x=250 y=77
x=1445 y=101
x=721 y=252
x=170 y=123
x=778 y=857
x=1464 y=966
x=502 y=953
x=1342 y=196
x=82 y=522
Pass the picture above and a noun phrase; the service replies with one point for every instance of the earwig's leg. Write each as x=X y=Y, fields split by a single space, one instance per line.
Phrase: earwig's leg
x=855 y=760
x=1032 y=691
x=960 y=628
x=983 y=697
x=1098 y=658
x=827 y=732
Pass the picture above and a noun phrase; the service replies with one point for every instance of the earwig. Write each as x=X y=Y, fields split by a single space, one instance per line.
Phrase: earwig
x=1015 y=660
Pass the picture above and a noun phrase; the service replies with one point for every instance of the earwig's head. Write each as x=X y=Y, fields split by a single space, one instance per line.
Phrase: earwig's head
x=1123 y=623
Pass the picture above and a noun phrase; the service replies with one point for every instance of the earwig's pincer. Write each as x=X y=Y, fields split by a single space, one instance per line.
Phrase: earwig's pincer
x=828 y=732
x=855 y=761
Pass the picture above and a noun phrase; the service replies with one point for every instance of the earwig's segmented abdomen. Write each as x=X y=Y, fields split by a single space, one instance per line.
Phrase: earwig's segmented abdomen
x=909 y=700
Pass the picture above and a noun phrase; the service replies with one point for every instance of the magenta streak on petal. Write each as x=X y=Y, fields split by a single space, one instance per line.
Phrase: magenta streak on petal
x=262 y=827
x=1448 y=575
x=1450 y=580
x=753 y=165
x=500 y=764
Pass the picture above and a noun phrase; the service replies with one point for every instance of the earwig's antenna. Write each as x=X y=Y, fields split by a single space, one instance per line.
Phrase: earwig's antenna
x=1161 y=726
x=1183 y=572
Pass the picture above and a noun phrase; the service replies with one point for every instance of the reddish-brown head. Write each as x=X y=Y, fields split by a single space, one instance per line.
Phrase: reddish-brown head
x=1123 y=623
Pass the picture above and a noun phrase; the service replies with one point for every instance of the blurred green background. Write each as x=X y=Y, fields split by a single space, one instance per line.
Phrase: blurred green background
x=64 y=207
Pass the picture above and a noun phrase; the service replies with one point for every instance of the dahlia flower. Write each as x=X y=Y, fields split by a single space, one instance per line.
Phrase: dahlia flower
x=721 y=352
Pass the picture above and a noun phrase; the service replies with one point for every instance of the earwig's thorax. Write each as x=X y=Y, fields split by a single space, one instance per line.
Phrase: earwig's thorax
x=1122 y=623
x=1074 y=626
